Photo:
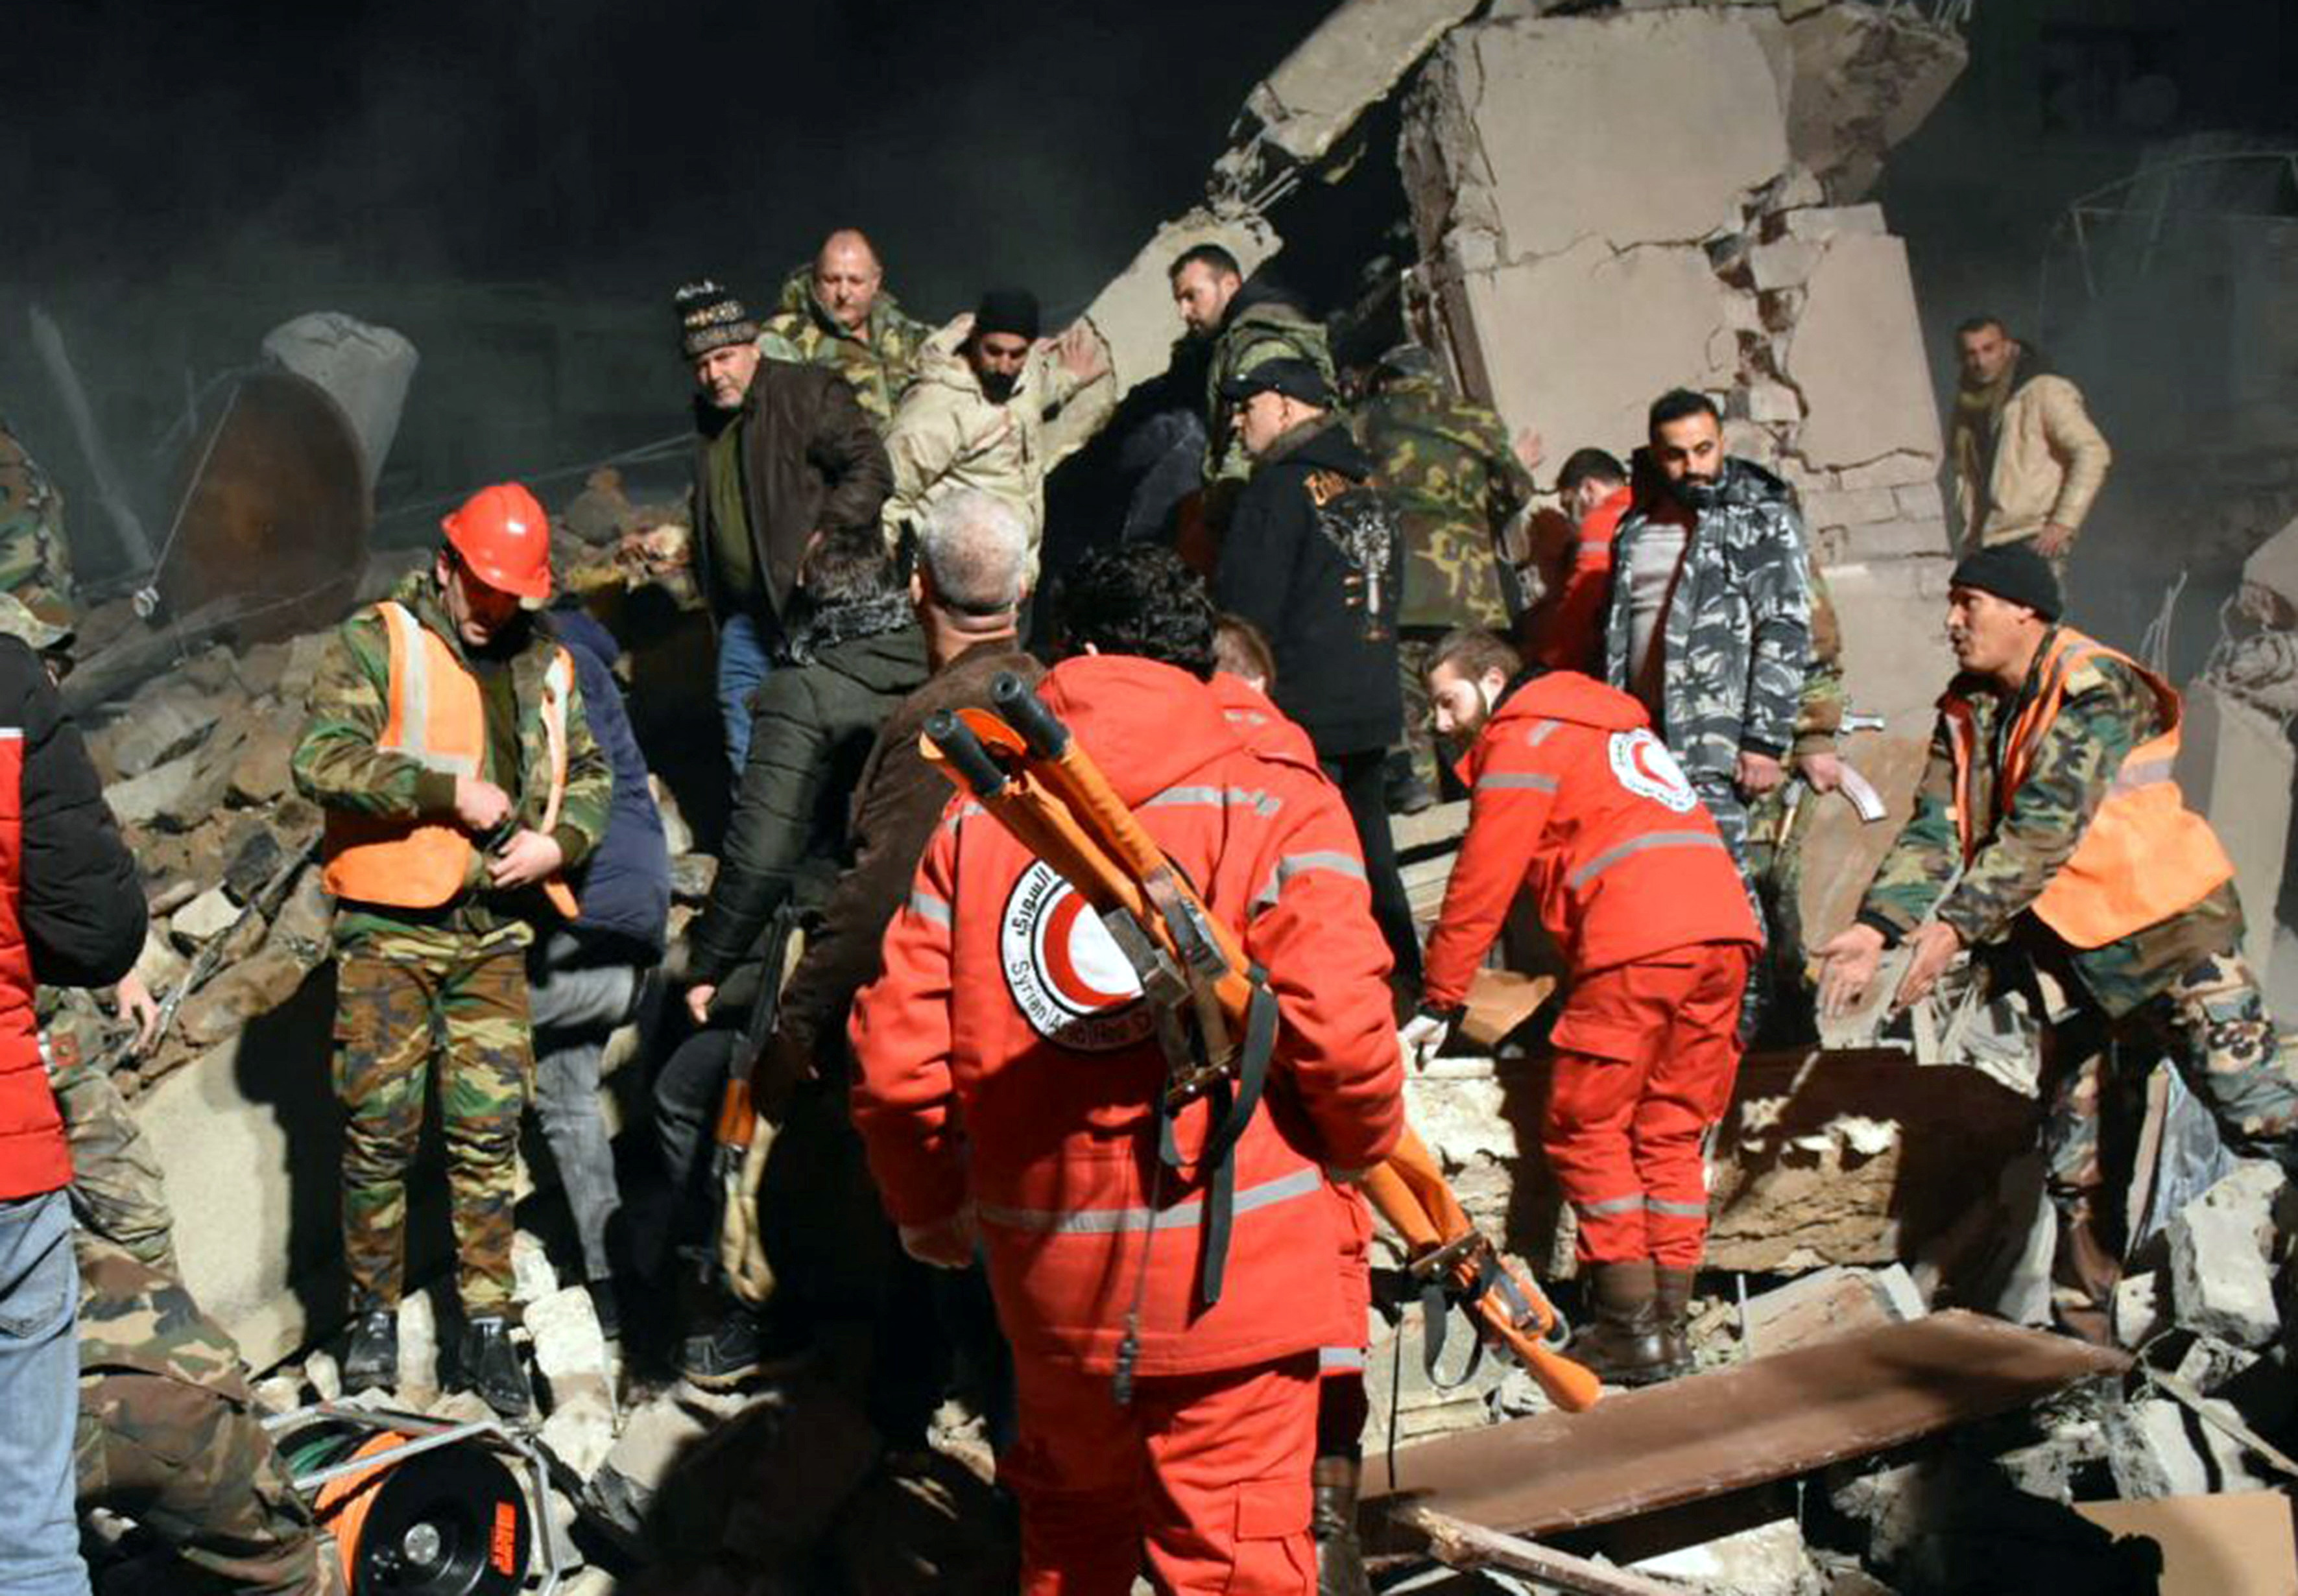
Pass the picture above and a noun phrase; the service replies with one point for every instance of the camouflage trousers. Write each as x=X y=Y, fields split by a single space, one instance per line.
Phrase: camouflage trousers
x=395 y=1019
x=168 y=1434
x=2213 y=1026
x=1773 y=862
x=1729 y=810
x=1414 y=645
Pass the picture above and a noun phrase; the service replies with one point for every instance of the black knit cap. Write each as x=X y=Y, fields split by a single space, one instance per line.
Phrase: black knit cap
x=709 y=317
x=1293 y=378
x=1007 y=311
x=2011 y=571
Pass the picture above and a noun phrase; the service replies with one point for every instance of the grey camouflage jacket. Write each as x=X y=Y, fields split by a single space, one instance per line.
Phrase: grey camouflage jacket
x=1738 y=633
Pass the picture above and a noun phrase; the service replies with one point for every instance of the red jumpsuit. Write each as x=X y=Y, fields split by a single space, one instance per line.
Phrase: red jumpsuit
x=1566 y=631
x=1006 y=1063
x=1574 y=800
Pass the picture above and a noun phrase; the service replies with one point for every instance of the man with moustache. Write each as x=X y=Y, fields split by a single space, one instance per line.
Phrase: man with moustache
x=783 y=452
x=2050 y=838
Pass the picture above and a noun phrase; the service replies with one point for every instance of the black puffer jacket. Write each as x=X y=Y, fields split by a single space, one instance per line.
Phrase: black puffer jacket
x=1331 y=623
x=811 y=728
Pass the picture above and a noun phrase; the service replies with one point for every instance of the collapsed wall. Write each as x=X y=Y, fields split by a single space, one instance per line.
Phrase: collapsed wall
x=1609 y=205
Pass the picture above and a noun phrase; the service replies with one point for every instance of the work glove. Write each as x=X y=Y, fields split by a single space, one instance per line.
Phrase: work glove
x=1422 y=1037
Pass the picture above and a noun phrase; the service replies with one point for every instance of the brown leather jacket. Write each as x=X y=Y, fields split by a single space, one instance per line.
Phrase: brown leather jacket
x=811 y=461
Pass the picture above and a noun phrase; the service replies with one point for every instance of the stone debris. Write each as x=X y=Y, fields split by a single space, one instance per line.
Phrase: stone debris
x=2218 y=1277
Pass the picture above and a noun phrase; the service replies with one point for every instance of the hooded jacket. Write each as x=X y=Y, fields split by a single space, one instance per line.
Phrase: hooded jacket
x=810 y=462
x=1573 y=800
x=1332 y=627
x=1736 y=637
x=1006 y=1058
x=811 y=729
x=949 y=435
x=71 y=906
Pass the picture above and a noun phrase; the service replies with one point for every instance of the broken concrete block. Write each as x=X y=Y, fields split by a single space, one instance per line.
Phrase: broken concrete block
x=581 y=1429
x=1833 y=1301
x=418 y=1344
x=158 y=792
x=1852 y=507
x=1821 y=222
x=2158 y=1448
x=260 y=774
x=532 y=1278
x=1784 y=263
x=1860 y=79
x=2210 y=1363
x=2236 y=767
x=2220 y=1283
x=568 y=1344
x=204 y=919
x=1773 y=404
x=245 y=989
x=365 y=368
x=1769 y=1560
x=1857 y=355
x=160 y=966
x=1530 y=87
x=324 y=1375
x=278 y=1393
x=2136 y=1314
x=1353 y=59
x=162 y=726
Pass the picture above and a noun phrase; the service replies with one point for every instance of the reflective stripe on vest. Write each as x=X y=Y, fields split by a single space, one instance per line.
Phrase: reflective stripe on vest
x=1180 y=1216
x=2143 y=857
x=435 y=715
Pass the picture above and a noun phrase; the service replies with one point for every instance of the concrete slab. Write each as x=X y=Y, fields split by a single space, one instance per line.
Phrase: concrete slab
x=1353 y=58
x=1896 y=661
x=1650 y=79
x=1857 y=354
x=2237 y=768
x=1579 y=344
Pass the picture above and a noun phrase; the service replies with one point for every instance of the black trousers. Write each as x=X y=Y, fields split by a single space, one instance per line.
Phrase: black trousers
x=1362 y=779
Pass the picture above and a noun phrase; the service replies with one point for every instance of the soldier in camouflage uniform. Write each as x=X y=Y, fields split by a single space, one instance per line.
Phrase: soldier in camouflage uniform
x=1729 y=617
x=1249 y=324
x=446 y=985
x=1778 y=821
x=1456 y=481
x=2083 y=882
x=35 y=561
x=837 y=313
x=168 y=1432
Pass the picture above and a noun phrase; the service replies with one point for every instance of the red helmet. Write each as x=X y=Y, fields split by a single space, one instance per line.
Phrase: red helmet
x=505 y=539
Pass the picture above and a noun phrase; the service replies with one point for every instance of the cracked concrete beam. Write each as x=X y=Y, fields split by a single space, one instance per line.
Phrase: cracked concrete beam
x=1349 y=64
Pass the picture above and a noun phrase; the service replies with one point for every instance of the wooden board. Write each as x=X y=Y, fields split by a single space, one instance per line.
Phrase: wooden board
x=1769 y=1419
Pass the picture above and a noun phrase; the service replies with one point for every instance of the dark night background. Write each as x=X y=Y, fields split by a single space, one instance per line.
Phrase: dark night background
x=518 y=185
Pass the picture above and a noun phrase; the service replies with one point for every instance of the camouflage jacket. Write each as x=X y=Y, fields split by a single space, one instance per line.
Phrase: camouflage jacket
x=1737 y=635
x=35 y=562
x=338 y=765
x=1262 y=326
x=2107 y=711
x=1456 y=482
x=880 y=362
x=1819 y=709
x=117 y=1191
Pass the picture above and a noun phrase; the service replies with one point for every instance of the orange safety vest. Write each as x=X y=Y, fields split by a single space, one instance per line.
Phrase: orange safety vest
x=2143 y=857
x=436 y=717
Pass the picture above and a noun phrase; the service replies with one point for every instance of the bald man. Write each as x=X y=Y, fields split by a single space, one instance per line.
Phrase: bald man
x=837 y=313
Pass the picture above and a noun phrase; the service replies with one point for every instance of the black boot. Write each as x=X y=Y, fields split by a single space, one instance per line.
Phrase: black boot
x=1332 y=1521
x=490 y=1365
x=1671 y=1306
x=371 y=1360
x=1623 y=1346
x=743 y=1346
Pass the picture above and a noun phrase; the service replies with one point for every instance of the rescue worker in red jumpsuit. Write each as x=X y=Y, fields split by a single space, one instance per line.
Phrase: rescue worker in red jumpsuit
x=1574 y=800
x=1007 y=1078
x=1244 y=666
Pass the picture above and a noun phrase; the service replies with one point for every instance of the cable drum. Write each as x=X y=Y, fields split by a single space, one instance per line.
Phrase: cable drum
x=450 y=1521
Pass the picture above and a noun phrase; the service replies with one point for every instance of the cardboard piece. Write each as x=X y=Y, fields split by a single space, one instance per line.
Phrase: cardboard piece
x=2240 y=1544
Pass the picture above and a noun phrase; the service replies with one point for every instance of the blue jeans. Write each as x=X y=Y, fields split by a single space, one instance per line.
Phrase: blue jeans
x=744 y=658
x=39 y=1399
x=576 y=996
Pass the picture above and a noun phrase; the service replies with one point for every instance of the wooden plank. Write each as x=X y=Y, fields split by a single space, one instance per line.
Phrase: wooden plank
x=1459 y=1544
x=1768 y=1419
x=2235 y=1545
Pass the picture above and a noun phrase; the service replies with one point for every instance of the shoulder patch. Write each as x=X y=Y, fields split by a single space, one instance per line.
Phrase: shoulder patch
x=1641 y=764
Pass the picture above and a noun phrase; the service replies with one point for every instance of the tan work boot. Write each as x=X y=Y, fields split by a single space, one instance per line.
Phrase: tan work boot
x=1622 y=1345
x=1332 y=1521
x=1672 y=1306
